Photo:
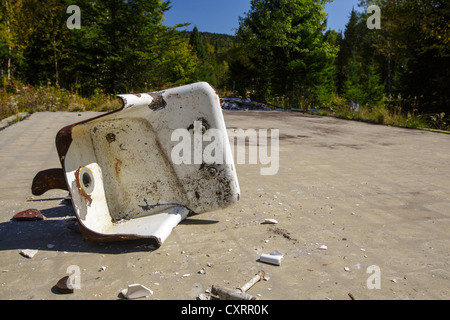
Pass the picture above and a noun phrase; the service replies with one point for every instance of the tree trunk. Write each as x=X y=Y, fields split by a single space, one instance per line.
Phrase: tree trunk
x=9 y=45
x=56 y=62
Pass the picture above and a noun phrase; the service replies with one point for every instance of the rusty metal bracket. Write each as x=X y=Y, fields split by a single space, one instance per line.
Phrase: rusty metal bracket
x=47 y=180
x=119 y=170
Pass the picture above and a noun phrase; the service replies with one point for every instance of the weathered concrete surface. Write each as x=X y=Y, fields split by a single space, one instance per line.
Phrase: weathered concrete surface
x=374 y=195
x=5 y=123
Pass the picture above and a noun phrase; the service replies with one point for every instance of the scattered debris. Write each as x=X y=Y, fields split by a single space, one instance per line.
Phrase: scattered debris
x=270 y=221
x=230 y=294
x=50 y=246
x=136 y=291
x=347 y=269
x=103 y=268
x=351 y=296
x=29 y=215
x=258 y=277
x=283 y=233
x=202 y=271
x=29 y=253
x=72 y=224
x=236 y=294
x=323 y=247
x=241 y=104
x=201 y=296
x=272 y=258
x=64 y=285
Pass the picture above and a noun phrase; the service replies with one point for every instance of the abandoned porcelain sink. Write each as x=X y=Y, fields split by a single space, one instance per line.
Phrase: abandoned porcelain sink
x=138 y=171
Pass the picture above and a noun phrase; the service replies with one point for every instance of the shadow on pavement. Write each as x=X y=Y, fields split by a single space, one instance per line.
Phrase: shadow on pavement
x=59 y=232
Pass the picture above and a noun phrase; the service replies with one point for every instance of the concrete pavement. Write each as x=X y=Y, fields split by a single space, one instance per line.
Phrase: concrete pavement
x=348 y=196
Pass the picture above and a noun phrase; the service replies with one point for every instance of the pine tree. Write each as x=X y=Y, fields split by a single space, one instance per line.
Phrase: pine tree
x=124 y=47
x=286 y=48
x=197 y=44
x=352 y=88
x=347 y=49
x=413 y=44
x=372 y=87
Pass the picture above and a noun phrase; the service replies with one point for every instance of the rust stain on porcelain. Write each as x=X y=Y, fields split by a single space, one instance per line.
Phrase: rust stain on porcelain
x=83 y=182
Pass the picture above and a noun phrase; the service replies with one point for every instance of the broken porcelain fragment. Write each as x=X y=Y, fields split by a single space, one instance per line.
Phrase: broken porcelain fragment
x=272 y=258
x=29 y=253
x=136 y=291
x=270 y=221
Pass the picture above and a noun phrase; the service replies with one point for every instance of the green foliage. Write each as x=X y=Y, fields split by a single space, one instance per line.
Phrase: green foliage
x=362 y=84
x=282 y=52
x=122 y=45
x=197 y=44
x=412 y=47
x=439 y=121
x=18 y=97
x=212 y=52
x=281 y=55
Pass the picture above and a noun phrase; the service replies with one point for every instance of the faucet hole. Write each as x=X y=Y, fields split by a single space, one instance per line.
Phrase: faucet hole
x=86 y=180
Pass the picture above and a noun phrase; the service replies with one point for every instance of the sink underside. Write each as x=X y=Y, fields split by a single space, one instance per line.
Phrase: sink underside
x=120 y=171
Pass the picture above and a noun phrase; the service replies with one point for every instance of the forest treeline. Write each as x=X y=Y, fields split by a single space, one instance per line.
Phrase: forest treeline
x=282 y=54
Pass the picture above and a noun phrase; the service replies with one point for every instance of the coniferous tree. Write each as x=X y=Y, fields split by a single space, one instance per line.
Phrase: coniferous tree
x=122 y=45
x=358 y=79
x=347 y=50
x=414 y=52
x=286 y=48
x=197 y=44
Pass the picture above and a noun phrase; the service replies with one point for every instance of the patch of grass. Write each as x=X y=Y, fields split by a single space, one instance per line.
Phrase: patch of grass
x=16 y=119
x=379 y=114
x=16 y=97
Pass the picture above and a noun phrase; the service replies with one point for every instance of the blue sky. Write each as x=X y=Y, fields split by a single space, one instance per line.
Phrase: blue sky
x=222 y=16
